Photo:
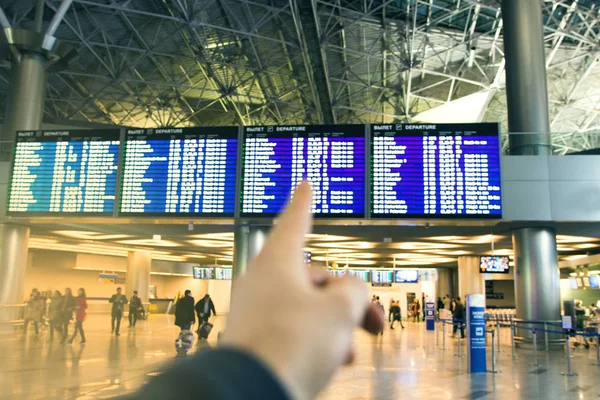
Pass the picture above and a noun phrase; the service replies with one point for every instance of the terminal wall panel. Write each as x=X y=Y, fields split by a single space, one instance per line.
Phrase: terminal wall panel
x=525 y=168
x=575 y=200
x=569 y=168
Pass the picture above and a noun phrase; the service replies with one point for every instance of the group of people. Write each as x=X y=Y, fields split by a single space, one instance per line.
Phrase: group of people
x=58 y=312
x=118 y=301
x=186 y=311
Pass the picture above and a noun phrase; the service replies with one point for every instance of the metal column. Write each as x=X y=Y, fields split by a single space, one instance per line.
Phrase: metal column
x=470 y=281
x=14 y=242
x=537 y=279
x=526 y=86
x=138 y=274
x=247 y=243
x=26 y=96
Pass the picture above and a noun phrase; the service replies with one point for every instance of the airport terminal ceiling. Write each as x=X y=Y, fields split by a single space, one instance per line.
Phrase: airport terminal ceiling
x=149 y=63
x=357 y=246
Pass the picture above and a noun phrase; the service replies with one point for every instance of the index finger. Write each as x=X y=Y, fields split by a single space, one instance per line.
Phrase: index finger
x=286 y=241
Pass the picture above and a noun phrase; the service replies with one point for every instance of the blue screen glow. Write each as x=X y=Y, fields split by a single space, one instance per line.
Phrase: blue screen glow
x=179 y=171
x=64 y=172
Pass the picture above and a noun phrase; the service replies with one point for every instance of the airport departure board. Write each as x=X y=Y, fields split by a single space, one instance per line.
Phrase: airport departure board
x=68 y=172
x=179 y=171
x=435 y=171
x=276 y=159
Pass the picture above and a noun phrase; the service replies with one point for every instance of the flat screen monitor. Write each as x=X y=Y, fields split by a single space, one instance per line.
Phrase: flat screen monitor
x=573 y=284
x=494 y=265
x=594 y=281
x=406 y=276
x=436 y=171
x=382 y=276
x=277 y=158
x=223 y=274
x=66 y=172
x=363 y=275
x=203 y=272
x=179 y=172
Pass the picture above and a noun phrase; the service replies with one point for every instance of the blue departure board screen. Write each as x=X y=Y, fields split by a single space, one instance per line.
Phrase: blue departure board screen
x=179 y=171
x=67 y=172
x=435 y=171
x=276 y=159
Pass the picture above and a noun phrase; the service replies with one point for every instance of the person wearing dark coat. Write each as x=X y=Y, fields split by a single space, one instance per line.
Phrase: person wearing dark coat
x=459 y=316
x=135 y=307
x=205 y=308
x=184 y=312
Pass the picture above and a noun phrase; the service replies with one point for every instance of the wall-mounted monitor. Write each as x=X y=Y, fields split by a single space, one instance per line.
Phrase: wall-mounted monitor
x=203 y=272
x=573 y=283
x=223 y=274
x=494 y=265
x=379 y=276
x=593 y=281
x=406 y=276
x=275 y=159
x=435 y=171
x=362 y=274
x=66 y=172
x=179 y=172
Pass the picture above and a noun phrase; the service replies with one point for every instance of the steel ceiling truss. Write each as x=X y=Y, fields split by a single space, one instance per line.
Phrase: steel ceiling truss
x=223 y=62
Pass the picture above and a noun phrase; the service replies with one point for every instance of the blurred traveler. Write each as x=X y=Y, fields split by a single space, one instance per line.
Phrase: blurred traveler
x=373 y=299
x=397 y=315
x=452 y=304
x=459 y=316
x=118 y=301
x=312 y=337
x=440 y=304
x=446 y=301
x=68 y=305
x=204 y=309
x=423 y=300
x=36 y=307
x=55 y=314
x=416 y=311
x=392 y=301
x=80 y=307
x=135 y=307
x=184 y=312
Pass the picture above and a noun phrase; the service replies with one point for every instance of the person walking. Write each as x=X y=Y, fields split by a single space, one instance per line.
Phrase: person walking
x=68 y=305
x=36 y=305
x=135 y=306
x=55 y=314
x=459 y=317
x=118 y=301
x=397 y=315
x=392 y=301
x=80 y=307
x=184 y=311
x=416 y=311
x=446 y=301
x=204 y=309
x=440 y=304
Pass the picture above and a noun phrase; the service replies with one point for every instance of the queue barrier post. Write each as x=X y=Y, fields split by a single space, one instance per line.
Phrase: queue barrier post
x=535 y=357
x=512 y=338
x=494 y=369
x=437 y=334
x=569 y=370
x=498 y=333
x=443 y=335
x=459 y=354
x=546 y=335
x=597 y=363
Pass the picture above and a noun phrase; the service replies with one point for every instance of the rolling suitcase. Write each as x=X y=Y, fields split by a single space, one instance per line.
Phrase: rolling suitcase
x=204 y=330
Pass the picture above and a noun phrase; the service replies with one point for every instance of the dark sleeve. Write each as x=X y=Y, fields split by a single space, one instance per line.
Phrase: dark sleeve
x=222 y=374
x=125 y=300
x=212 y=307
x=112 y=299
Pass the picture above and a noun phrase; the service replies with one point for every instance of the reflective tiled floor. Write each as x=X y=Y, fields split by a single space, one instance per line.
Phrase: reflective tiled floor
x=402 y=364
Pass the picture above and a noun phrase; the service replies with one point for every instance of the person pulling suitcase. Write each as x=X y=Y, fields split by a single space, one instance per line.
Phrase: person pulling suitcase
x=205 y=308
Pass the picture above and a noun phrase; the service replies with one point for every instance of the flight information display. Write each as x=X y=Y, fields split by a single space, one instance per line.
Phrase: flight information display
x=179 y=171
x=436 y=171
x=67 y=172
x=382 y=276
x=276 y=159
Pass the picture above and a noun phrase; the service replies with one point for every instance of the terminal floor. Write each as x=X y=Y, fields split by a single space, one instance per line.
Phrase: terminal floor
x=401 y=364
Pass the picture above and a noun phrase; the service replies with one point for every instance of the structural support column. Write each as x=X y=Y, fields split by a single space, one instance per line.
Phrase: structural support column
x=470 y=281
x=526 y=85
x=138 y=274
x=26 y=95
x=537 y=280
x=247 y=243
x=444 y=283
x=14 y=242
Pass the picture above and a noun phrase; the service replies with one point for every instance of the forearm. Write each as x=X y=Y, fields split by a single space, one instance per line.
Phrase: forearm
x=221 y=374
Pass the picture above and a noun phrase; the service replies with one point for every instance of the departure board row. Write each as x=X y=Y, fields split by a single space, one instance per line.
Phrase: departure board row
x=376 y=171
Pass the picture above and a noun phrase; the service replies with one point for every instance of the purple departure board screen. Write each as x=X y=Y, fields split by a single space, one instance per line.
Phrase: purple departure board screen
x=277 y=158
x=435 y=171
